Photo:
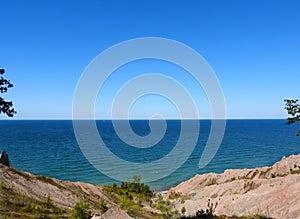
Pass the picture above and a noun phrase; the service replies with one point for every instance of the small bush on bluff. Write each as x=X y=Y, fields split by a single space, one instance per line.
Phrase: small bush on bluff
x=80 y=211
x=204 y=214
x=174 y=195
x=103 y=206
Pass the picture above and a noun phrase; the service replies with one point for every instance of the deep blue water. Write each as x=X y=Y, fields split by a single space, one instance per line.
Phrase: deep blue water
x=49 y=147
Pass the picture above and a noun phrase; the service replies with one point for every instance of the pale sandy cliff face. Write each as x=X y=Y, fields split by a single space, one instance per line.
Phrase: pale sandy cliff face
x=270 y=191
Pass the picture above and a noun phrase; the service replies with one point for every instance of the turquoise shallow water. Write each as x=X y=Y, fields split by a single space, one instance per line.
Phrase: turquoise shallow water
x=49 y=147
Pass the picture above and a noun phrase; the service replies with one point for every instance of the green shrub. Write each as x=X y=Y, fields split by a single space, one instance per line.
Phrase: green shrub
x=282 y=175
x=131 y=189
x=130 y=194
x=183 y=210
x=135 y=188
x=163 y=207
x=160 y=197
x=103 y=206
x=203 y=214
x=80 y=211
x=126 y=203
x=295 y=172
x=174 y=195
x=34 y=208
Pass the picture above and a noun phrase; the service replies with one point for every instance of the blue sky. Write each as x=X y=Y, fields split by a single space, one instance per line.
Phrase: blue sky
x=252 y=46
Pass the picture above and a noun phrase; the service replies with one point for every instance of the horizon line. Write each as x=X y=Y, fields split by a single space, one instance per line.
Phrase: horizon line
x=229 y=118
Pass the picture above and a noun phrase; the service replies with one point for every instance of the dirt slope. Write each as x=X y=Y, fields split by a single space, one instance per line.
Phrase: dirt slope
x=270 y=191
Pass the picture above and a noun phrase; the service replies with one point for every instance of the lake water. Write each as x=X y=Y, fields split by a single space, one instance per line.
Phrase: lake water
x=49 y=147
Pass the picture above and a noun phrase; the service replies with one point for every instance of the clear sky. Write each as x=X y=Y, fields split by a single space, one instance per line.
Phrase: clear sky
x=253 y=47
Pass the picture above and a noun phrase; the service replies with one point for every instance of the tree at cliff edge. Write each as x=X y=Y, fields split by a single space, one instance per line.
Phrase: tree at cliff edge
x=6 y=107
x=293 y=109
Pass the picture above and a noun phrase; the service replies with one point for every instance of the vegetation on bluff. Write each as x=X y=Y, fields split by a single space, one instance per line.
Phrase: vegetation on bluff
x=6 y=107
x=135 y=198
x=293 y=109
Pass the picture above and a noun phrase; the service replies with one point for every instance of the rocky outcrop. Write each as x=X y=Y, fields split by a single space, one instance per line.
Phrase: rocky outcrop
x=4 y=158
x=115 y=213
x=269 y=191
